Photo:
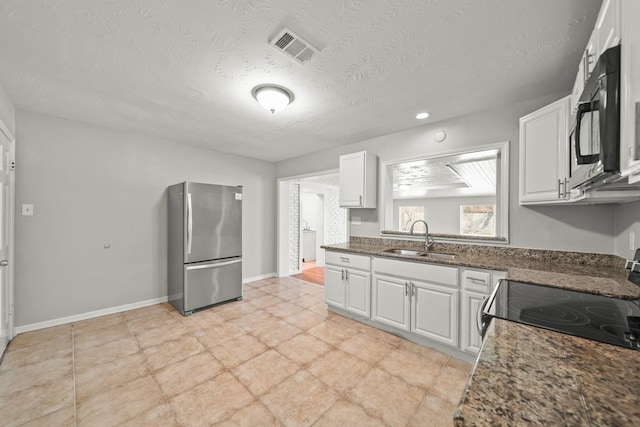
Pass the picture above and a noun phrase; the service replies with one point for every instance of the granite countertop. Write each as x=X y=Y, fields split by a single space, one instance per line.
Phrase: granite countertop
x=593 y=273
x=532 y=376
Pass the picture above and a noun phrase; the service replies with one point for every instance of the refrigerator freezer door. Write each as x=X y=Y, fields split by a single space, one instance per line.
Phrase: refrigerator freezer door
x=214 y=222
x=211 y=283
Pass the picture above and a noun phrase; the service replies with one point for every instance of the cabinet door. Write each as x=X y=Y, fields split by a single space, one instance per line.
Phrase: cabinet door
x=358 y=293
x=391 y=301
x=435 y=312
x=334 y=288
x=352 y=179
x=544 y=146
x=608 y=25
x=470 y=339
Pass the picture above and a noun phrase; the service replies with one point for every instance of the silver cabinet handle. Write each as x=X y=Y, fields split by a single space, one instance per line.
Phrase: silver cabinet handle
x=406 y=289
x=4 y=263
x=559 y=193
x=413 y=289
x=360 y=200
x=476 y=280
x=342 y=272
x=346 y=274
x=479 y=314
x=189 y=223
x=567 y=190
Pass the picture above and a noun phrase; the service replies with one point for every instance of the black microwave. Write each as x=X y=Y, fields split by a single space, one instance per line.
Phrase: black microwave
x=595 y=139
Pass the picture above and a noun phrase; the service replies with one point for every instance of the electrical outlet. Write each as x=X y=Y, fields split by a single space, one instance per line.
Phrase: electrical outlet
x=27 y=210
x=632 y=241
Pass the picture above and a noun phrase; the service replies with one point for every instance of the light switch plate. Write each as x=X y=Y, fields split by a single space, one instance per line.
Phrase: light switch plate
x=27 y=210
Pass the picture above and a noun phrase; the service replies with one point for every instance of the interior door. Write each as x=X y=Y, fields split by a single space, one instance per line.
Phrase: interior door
x=6 y=229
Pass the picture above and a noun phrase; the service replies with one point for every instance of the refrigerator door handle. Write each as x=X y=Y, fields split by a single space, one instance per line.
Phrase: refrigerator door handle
x=213 y=265
x=189 y=223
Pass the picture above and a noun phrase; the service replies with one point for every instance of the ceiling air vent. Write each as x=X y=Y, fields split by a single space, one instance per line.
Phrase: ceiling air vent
x=289 y=43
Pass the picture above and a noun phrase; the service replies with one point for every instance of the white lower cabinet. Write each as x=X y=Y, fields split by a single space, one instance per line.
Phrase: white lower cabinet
x=334 y=286
x=435 y=302
x=469 y=325
x=405 y=297
x=476 y=285
x=348 y=282
x=434 y=312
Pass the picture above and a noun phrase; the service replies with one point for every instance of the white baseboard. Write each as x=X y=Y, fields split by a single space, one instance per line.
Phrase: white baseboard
x=111 y=310
x=88 y=315
x=261 y=277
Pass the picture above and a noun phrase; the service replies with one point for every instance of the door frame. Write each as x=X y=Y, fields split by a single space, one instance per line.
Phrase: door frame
x=282 y=229
x=11 y=218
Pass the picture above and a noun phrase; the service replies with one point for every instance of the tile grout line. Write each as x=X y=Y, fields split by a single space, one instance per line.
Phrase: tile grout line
x=73 y=371
x=146 y=362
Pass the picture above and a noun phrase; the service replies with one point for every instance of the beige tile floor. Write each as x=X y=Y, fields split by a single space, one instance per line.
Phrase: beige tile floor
x=276 y=358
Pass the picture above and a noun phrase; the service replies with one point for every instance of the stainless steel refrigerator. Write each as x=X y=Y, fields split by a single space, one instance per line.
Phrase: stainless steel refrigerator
x=205 y=245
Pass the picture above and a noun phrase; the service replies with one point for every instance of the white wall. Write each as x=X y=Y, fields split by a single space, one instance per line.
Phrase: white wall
x=92 y=186
x=583 y=228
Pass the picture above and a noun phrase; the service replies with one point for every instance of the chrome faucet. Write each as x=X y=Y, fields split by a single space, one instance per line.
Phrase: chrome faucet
x=427 y=244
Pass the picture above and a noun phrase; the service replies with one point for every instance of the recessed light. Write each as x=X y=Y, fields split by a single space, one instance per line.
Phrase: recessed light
x=422 y=116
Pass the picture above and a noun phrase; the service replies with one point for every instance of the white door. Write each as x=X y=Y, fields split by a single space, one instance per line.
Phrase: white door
x=391 y=301
x=352 y=179
x=435 y=312
x=334 y=288
x=6 y=221
x=358 y=292
x=471 y=338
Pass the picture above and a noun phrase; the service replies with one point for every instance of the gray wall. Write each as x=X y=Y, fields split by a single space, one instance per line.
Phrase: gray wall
x=579 y=228
x=7 y=112
x=93 y=186
x=442 y=213
x=627 y=220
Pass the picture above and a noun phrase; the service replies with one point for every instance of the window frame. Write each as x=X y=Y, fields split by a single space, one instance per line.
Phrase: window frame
x=502 y=195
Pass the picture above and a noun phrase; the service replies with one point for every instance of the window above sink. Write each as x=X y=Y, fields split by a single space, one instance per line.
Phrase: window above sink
x=462 y=195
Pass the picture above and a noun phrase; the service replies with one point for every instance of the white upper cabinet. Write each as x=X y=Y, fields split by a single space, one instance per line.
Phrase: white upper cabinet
x=630 y=90
x=544 y=163
x=608 y=25
x=358 y=179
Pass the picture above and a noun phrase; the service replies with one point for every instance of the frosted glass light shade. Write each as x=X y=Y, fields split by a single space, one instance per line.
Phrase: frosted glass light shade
x=272 y=98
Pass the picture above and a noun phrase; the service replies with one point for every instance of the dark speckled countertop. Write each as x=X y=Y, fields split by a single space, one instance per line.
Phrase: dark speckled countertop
x=594 y=273
x=531 y=376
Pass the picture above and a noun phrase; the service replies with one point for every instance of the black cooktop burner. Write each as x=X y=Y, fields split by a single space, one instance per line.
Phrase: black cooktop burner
x=596 y=317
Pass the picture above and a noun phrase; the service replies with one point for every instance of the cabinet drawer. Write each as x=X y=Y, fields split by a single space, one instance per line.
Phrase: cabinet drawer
x=421 y=271
x=476 y=280
x=361 y=262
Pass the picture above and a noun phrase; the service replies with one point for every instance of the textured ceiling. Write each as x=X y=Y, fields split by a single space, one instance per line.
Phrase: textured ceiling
x=184 y=70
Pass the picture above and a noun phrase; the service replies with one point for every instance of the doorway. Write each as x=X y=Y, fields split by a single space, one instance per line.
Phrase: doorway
x=309 y=216
x=7 y=186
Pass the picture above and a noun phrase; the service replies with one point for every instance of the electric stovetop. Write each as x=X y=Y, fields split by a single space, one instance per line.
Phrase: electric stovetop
x=596 y=317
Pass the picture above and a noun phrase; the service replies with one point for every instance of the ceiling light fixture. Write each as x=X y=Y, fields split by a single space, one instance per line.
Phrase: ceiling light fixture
x=422 y=116
x=272 y=97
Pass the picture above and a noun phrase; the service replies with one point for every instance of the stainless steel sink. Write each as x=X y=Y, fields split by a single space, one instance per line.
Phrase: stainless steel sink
x=410 y=252
x=405 y=252
x=438 y=256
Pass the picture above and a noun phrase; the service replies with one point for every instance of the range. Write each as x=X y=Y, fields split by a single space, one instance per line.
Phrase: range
x=595 y=317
